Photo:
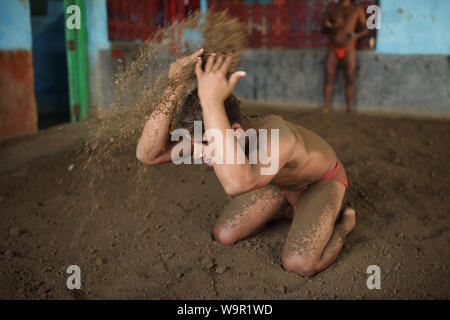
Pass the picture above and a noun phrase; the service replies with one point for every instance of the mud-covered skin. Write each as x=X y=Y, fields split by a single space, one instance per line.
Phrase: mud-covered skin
x=314 y=239
x=311 y=158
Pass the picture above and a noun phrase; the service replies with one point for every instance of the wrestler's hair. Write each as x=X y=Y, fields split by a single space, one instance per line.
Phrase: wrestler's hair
x=192 y=111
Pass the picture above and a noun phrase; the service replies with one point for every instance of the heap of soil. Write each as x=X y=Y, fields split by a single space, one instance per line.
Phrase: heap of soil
x=146 y=232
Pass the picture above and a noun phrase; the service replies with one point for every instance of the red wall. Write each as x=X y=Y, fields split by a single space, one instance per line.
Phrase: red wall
x=276 y=24
x=17 y=101
x=284 y=23
x=140 y=19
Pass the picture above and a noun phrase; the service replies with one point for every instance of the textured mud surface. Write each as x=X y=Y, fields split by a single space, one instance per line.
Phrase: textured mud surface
x=146 y=232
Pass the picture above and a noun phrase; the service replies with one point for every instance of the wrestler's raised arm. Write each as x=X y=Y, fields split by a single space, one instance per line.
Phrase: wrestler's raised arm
x=235 y=177
x=153 y=147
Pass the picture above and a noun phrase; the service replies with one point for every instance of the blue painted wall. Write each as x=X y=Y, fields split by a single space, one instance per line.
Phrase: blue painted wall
x=100 y=60
x=257 y=1
x=15 y=27
x=203 y=5
x=414 y=27
x=49 y=60
x=96 y=23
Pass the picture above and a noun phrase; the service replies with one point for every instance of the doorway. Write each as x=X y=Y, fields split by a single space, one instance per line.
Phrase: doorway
x=50 y=62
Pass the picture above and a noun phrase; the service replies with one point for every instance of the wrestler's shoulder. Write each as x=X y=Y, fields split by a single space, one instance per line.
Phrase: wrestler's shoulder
x=287 y=129
x=272 y=121
x=273 y=117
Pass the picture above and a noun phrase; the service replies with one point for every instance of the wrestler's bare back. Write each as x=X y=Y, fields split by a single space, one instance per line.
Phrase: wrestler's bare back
x=311 y=158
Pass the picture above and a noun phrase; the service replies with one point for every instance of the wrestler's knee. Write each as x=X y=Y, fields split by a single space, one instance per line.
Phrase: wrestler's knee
x=223 y=235
x=302 y=265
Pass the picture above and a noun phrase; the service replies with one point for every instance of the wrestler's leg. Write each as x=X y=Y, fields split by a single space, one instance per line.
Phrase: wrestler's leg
x=349 y=67
x=247 y=214
x=316 y=235
x=331 y=64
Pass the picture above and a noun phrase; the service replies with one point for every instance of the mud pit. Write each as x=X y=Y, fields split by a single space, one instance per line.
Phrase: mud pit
x=146 y=232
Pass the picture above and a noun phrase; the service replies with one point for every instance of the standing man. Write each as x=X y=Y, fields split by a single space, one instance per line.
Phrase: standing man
x=340 y=24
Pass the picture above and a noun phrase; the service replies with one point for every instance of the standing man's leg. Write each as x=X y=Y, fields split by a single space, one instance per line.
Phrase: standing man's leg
x=349 y=67
x=331 y=63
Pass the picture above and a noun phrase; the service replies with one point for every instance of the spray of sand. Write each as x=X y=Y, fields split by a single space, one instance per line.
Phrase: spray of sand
x=138 y=89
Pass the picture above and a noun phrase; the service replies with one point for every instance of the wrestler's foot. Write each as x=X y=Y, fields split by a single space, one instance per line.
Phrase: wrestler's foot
x=348 y=220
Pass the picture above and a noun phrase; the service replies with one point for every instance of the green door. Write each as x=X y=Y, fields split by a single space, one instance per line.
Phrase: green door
x=77 y=63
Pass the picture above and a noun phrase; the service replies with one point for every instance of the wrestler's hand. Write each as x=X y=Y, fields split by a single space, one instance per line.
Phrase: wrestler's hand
x=213 y=85
x=176 y=68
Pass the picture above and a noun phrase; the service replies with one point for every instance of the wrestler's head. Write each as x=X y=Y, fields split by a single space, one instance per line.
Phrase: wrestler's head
x=191 y=111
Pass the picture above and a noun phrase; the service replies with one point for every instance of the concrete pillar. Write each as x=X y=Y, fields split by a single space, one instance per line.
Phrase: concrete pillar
x=17 y=100
x=100 y=60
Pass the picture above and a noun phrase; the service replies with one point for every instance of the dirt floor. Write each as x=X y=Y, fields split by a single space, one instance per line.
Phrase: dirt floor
x=142 y=232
